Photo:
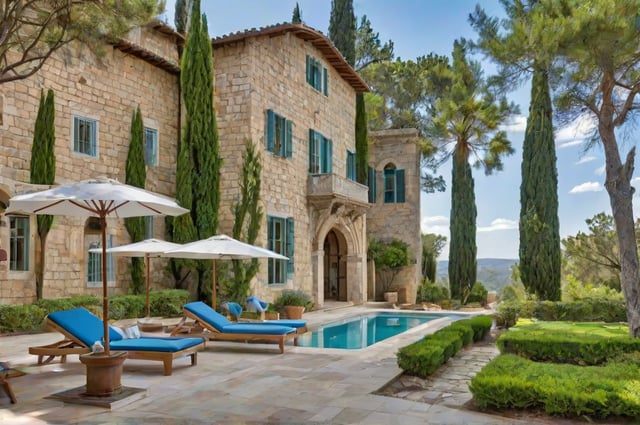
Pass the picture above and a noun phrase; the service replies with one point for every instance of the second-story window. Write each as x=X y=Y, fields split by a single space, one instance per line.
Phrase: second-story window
x=351 y=165
x=279 y=135
x=150 y=146
x=85 y=136
x=393 y=184
x=317 y=75
x=320 y=153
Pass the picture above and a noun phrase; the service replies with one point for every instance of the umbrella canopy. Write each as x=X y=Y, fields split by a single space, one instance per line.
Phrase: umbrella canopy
x=221 y=247
x=147 y=248
x=102 y=198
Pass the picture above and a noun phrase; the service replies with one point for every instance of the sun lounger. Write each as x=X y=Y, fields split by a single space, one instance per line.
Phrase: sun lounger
x=220 y=328
x=6 y=373
x=82 y=329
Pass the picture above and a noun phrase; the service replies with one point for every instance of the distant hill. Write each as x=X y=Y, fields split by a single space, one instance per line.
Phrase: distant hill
x=494 y=273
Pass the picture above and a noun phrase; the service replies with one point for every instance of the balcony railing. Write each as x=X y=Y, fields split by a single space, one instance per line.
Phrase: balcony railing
x=323 y=188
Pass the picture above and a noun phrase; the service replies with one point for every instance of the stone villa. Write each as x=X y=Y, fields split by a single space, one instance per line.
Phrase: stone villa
x=285 y=88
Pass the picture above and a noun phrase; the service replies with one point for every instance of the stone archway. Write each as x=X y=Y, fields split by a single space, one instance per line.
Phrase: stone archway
x=335 y=266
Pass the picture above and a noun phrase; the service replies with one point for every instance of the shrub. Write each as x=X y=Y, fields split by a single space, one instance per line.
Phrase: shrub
x=478 y=294
x=586 y=310
x=21 y=317
x=509 y=381
x=431 y=293
x=167 y=303
x=294 y=297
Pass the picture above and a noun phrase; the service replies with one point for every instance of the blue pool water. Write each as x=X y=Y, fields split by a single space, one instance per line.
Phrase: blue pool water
x=363 y=331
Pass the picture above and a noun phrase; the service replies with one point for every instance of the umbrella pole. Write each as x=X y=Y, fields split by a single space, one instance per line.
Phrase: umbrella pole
x=213 y=291
x=146 y=265
x=105 y=300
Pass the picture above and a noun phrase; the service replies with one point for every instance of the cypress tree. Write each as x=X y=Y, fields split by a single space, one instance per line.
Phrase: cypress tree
x=136 y=176
x=463 y=265
x=540 y=254
x=201 y=135
x=342 y=32
x=248 y=217
x=297 y=16
x=182 y=17
x=43 y=171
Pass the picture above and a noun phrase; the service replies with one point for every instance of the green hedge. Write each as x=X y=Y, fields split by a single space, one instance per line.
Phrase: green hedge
x=30 y=317
x=509 y=381
x=565 y=342
x=586 y=310
x=424 y=357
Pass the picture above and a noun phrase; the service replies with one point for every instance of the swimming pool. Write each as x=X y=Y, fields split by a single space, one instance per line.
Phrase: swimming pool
x=362 y=331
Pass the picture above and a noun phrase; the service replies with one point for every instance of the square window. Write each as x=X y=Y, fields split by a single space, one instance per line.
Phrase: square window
x=85 y=136
x=150 y=147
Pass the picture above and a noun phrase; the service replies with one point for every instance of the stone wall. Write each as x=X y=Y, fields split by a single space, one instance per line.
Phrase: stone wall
x=106 y=89
x=389 y=221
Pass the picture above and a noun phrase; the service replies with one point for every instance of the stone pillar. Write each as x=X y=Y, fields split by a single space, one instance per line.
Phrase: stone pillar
x=317 y=273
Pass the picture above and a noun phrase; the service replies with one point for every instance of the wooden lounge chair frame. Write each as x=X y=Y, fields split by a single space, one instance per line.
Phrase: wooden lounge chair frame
x=200 y=327
x=72 y=345
x=5 y=375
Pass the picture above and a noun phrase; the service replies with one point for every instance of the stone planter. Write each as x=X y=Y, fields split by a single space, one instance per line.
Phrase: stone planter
x=104 y=373
x=271 y=315
x=391 y=297
x=293 y=311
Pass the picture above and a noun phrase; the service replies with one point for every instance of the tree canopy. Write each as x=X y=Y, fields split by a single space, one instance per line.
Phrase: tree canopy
x=31 y=31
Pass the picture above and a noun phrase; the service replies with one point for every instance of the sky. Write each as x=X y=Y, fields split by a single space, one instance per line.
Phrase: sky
x=417 y=28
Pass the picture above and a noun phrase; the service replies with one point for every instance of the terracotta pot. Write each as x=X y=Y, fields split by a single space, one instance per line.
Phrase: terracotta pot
x=103 y=373
x=271 y=315
x=293 y=311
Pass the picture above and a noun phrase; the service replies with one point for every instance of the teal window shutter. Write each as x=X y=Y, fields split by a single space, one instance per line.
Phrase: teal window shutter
x=309 y=70
x=399 y=185
x=311 y=151
x=372 y=185
x=271 y=126
x=288 y=142
x=290 y=244
x=325 y=81
x=329 y=158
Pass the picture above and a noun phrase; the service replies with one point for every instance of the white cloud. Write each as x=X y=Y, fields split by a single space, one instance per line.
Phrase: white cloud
x=576 y=132
x=600 y=170
x=587 y=187
x=499 y=224
x=635 y=180
x=437 y=224
x=517 y=124
x=586 y=159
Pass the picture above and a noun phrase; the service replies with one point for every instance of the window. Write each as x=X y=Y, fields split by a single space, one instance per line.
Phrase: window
x=85 y=136
x=19 y=243
x=393 y=184
x=351 y=165
x=280 y=239
x=148 y=227
x=150 y=147
x=320 y=153
x=317 y=75
x=279 y=135
x=373 y=187
x=94 y=264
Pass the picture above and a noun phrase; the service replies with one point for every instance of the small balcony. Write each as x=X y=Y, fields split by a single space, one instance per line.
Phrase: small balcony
x=327 y=190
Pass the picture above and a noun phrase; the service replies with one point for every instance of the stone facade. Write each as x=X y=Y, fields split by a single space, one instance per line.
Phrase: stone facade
x=397 y=149
x=106 y=89
x=255 y=71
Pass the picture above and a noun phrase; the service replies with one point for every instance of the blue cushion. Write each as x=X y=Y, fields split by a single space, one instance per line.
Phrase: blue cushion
x=293 y=323
x=235 y=309
x=168 y=345
x=259 y=305
x=207 y=314
x=82 y=324
x=257 y=328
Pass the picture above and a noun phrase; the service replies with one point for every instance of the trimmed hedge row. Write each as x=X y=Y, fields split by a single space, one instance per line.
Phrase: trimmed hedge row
x=587 y=310
x=424 y=357
x=30 y=317
x=509 y=381
x=583 y=344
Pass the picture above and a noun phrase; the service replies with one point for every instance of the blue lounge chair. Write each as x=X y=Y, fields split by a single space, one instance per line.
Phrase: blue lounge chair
x=222 y=329
x=82 y=329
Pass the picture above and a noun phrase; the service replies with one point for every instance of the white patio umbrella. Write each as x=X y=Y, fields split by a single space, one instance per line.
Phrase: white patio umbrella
x=147 y=248
x=102 y=198
x=221 y=247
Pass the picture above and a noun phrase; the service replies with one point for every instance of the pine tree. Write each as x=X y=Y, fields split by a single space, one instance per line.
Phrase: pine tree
x=297 y=16
x=540 y=254
x=43 y=171
x=201 y=136
x=136 y=176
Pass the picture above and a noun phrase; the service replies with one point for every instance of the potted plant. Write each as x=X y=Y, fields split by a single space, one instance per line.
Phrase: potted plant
x=271 y=313
x=389 y=259
x=292 y=303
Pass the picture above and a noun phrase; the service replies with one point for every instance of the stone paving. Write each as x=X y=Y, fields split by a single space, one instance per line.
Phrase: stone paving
x=237 y=383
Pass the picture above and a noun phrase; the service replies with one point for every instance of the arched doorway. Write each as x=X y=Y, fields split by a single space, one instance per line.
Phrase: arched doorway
x=335 y=266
